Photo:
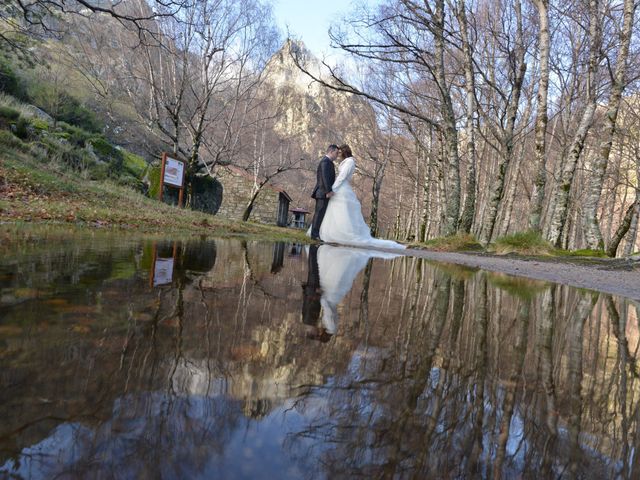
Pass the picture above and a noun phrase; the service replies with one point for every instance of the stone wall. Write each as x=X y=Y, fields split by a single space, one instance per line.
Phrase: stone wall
x=236 y=194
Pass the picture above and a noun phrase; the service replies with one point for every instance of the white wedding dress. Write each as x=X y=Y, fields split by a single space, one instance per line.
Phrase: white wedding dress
x=343 y=222
x=338 y=267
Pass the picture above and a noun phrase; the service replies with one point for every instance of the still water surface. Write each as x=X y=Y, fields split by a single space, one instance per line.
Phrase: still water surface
x=123 y=358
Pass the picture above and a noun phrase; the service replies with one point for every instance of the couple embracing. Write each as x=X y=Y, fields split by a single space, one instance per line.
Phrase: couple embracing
x=338 y=215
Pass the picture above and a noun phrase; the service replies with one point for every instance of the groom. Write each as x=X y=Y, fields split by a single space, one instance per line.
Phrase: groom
x=325 y=176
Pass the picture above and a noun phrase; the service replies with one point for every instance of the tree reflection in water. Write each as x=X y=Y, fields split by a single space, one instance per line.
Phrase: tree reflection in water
x=431 y=370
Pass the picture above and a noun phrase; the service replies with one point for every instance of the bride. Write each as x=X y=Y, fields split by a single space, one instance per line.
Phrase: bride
x=343 y=222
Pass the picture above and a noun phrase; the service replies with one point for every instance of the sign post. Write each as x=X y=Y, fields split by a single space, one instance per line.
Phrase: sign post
x=172 y=174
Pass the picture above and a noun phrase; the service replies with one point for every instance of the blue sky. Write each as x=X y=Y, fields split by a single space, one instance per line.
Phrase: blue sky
x=310 y=20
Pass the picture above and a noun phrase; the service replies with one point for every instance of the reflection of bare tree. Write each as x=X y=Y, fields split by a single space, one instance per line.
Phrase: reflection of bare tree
x=547 y=319
x=478 y=378
x=363 y=317
x=451 y=373
x=586 y=302
x=522 y=324
x=625 y=365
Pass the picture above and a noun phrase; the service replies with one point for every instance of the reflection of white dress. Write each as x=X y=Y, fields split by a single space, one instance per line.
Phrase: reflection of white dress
x=343 y=222
x=338 y=267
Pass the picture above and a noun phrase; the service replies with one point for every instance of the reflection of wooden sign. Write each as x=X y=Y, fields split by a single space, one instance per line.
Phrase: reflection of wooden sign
x=172 y=174
x=163 y=271
x=162 y=268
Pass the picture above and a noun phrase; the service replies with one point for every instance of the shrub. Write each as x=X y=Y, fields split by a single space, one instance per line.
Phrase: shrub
x=65 y=153
x=154 y=181
x=108 y=154
x=39 y=124
x=65 y=108
x=526 y=243
x=9 y=113
x=99 y=171
x=134 y=164
x=73 y=134
x=459 y=242
x=10 y=82
x=10 y=141
x=23 y=128
x=72 y=111
x=131 y=182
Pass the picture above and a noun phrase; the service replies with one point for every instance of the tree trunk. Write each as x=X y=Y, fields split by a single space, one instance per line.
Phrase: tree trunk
x=497 y=188
x=563 y=185
x=622 y=230
x=573 y=382
x=633 y=232
x=426 y=202
x=468 y=211
x=592 y=232
x=511 y=186
x=375 y=191
x=249 y=208
x=450 y=131
x=537 y=197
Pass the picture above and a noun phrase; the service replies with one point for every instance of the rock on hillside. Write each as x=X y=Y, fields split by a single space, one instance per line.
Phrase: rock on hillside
x=315 y=114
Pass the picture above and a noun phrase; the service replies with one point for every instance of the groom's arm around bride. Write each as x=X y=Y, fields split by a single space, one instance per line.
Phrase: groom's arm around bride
x=325 y=176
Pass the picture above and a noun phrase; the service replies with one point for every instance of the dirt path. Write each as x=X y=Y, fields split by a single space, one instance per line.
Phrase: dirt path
x=618 y=277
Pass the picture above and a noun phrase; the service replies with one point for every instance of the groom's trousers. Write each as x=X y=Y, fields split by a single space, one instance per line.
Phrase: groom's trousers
x=318 y=216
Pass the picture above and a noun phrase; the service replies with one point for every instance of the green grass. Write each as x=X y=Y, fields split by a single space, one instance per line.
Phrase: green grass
x=523 y=243
x=11 y=142
x=9 y=113
x=134 y=164
x=585 y=252
x=50 y=193
x=454 y=243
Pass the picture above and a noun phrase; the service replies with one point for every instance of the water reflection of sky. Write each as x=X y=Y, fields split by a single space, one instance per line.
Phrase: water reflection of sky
x=229 y=368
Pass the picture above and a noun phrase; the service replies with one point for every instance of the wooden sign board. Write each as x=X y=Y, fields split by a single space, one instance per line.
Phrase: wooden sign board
x=172 y=174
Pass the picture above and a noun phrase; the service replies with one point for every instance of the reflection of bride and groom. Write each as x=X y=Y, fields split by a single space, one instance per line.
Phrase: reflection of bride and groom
x=330 y=276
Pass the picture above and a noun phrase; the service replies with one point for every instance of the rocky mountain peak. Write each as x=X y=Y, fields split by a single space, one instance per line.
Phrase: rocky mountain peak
x=316 y=115
x=282 y=71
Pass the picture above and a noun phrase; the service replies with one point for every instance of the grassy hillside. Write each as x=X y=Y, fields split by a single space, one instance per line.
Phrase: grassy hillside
x=36 y=191
x=52 y=171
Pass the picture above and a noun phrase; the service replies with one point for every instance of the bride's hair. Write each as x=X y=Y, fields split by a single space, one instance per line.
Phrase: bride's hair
x=345 y=150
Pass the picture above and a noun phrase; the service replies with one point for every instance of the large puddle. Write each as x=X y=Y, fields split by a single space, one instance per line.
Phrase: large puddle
x=122 y=358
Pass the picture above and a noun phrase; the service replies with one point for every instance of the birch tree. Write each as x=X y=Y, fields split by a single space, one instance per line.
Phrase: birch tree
x=598 y=166
x=563 y=184
x=503 y=127
x=397 y=36
x=544 y=46
x=468 y=211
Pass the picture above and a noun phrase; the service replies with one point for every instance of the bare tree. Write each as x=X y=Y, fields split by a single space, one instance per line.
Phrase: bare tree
x=563 y=183
x=544 y=47
x=469 y=209
x=504 y=123
x=399 y=39
x=599 y=165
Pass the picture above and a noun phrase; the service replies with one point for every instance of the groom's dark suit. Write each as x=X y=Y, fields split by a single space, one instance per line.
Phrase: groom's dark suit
x=325 y=176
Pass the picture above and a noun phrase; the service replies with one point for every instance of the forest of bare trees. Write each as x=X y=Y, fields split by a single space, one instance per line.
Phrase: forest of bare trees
x=487 y=117
x=521 y=112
